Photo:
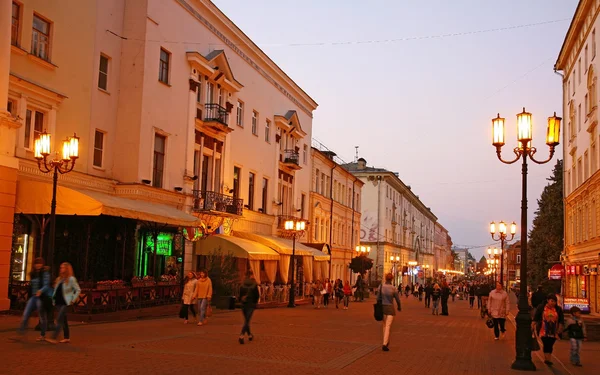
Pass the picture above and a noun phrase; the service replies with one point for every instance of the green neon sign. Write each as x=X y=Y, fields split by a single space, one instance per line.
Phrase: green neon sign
x=164 y=244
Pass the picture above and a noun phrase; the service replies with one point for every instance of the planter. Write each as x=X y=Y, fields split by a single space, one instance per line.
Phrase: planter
x=225 y=303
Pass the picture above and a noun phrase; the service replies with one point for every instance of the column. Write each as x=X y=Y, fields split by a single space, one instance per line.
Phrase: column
x=8 y=163
x=191 y=132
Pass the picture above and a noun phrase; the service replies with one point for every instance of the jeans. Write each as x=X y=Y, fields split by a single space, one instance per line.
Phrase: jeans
x=186 y=309
x=471 y=301
x=478 y=302
x=427 y=300
x=436 y=303
x=346 y=301
x=202 y=304
x=61 y=322
x=387 y=325
x=326 y=299
x=247 y=310
x=444 y=305
x=575 y=350
x=499 y=322
x=34 y=303
x=548 y=343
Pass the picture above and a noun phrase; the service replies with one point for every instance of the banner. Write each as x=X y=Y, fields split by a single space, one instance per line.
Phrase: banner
x=582 y=303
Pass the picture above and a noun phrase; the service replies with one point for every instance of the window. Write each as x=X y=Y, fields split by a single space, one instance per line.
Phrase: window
x=317 y=229
x=586 y=106
x=159 y=160
x=239 y=120
x=40 y=38
x=317 y=174
x=98 y=148
x=594 y=158
x=268 y=131
x=251 y=178
x=220 y=97
x=579 y=70
x=265 y=192
x=11 y=107
x=586 y=165
x=199 y=90
x=579 y=172
x=34 y=125
x=14 y=31
x=210 y=92
x=305 y=154
x=103 y=73
x=254 y=122
x=574 y=79
x=163 y=70
x=586 y=58
x=302 y=204
x=518 y=258
x=579 y=117
x=236 y=182
x=593 y=43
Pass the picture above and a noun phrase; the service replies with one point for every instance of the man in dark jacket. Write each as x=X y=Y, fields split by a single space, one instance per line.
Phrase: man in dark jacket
x=445 y=294
x=428 y=292
x=538 y=297
x=249 y=296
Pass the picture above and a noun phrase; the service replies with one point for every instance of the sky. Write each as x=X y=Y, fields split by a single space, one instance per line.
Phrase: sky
x=416 y=87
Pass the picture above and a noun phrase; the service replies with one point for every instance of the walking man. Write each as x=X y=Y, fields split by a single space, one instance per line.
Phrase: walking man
x=498 y=307
x=249 y=295
x=428 y=292
x=445 y=295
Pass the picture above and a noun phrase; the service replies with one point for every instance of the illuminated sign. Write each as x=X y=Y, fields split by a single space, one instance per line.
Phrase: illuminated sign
x=164 y=244
x=582 y=303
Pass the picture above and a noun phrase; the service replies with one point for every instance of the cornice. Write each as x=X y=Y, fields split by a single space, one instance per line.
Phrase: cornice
x=150 y=193
x=581 y=25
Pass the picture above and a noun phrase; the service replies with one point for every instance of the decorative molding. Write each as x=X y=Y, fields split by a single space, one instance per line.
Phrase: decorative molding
x=150 y=193
x=243 y=55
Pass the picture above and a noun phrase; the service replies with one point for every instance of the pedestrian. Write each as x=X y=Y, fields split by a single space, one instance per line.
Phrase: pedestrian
x=387 y=295
x=445 y=294
x=66 y=291
x=428 y=291
x=538 y=297
x=435 y=295
x=318 y=293
x=347 y=294
x=39 y=296
x=575 y=327
x=471 y=296
x=359 y=295
x=203 y=295
x=420 y=291
x=453 y=292
x=548 y=322
x=249 y=296
x=498 y=308
x=407 y=290
x=338 y=292
x=188 y=296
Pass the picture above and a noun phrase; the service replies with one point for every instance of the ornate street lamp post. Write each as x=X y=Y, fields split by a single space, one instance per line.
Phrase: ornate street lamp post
x=493 y=255
x=502 y=235
x=362 y=252
x=58 y=164
x=523 y=151
x=294 y=228
x=412 y=264
x=394 y=260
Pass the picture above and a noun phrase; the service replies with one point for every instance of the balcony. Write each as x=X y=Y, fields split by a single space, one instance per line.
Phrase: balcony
x=290 y=159
x=215 y=117
x=216 y=202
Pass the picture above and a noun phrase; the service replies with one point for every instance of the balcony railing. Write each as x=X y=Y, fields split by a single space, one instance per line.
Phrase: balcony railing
x=214 y=112
x=212 y=201
x=291 y=157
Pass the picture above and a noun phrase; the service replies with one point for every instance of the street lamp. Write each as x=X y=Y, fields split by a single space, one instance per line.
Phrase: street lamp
x=394 y=260
x=502 y=236
x=524 y=150
x=362 y=251
x=294 y=228
x=412 y=264
x=58 y=164
x=493 y=255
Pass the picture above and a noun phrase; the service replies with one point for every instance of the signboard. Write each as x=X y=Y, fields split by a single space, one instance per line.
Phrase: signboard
x=556 y=272
x=582 y=303
x=421 y=274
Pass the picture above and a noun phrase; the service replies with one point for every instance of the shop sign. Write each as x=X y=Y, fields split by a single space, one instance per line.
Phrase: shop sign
x=572 y=270
x=586 y=270
x=193 y=234
x=556 y=272
x=594 y=269
x=582 y=303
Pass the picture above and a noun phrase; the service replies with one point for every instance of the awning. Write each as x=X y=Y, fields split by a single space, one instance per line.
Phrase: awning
x=321 y=246
x=35 y=198
x=239 y=247
x=282 y=245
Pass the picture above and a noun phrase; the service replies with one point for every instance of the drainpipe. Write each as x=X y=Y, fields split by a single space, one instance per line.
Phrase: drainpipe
x=352 y=228
x=564 y=183
x=331 y=219
x=379 y=178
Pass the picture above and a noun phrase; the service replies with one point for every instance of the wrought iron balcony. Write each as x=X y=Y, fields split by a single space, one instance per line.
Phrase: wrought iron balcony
x=212 y=201
x=291 y=157
x=214 y=112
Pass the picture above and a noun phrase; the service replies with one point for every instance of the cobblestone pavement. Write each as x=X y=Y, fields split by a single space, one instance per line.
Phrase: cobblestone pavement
x=293 y=341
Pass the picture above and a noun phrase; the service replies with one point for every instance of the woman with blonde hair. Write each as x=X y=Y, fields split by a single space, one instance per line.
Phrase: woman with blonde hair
x=387 y=295
x=435 y=295
x=66 y=292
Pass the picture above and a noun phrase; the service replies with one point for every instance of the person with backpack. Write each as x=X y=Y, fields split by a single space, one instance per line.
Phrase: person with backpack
x=575 y=327
x=249 y=296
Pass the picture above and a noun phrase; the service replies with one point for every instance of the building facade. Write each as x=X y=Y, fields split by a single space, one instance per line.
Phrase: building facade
x=394 y=223
x=182 y=121
x=513 y=263
x=581 y=140
x=334 y=209
x=442 y=245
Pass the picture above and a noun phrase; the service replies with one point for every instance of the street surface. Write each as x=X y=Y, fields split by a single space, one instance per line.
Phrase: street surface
x=291 y=341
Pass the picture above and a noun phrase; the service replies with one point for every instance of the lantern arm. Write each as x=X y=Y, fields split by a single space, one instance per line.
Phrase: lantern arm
x=43 y=166
x=532 y=152
x=494 y=237
x=66 y=167
x=517 y=152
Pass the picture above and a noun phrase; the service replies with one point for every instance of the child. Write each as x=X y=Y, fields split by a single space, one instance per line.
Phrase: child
x=577 y=333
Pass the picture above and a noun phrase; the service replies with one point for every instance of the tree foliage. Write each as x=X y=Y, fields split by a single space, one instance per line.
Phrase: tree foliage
x=223 y=271
x=361 y=264
x=546 y=238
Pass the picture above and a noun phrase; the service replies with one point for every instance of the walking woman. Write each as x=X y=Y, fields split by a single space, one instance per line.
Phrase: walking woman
x=66 y=291
x=347 y=294
x=471 y=296
x=338 y=291
x=327 y=294
x=203 y=295
x=548 y=322
x=317 y=292
x=498 y=308
x=249 y=295
x=387 y=295
x=189 y=289
x=436 y=295
x=445 y=294
x=40 y=291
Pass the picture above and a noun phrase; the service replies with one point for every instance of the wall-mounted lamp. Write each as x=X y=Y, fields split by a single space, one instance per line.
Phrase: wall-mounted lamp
x=178 y=189
x=147 y=182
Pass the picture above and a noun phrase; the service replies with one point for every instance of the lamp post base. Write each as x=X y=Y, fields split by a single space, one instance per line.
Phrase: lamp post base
x=523 y=360
x=523 y=364
x=291 y=305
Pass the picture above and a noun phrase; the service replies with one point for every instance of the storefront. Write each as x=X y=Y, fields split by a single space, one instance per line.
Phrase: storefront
x=582 y=282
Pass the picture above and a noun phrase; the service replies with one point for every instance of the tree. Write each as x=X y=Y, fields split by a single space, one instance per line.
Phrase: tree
x=224 y=273
x=361 y=264
x=546 y=238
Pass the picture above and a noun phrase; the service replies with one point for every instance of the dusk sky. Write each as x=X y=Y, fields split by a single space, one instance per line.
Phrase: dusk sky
x=416 y=88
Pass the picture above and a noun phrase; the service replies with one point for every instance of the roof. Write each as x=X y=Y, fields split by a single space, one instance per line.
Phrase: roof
x=559 y=65
x=353 y=167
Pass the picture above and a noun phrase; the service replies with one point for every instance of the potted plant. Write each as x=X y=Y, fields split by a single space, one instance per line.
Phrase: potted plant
x=361 y=264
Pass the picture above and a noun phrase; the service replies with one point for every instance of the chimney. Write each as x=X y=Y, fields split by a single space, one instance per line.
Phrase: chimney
x=362 y=163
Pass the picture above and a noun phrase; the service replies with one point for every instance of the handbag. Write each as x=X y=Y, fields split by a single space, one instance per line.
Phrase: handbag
x=489 y=323
x=324 y=291
x=208 y=311
x=378 y=307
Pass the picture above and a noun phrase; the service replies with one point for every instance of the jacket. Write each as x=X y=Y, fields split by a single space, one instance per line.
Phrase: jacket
x=203 y=289
x=537 y=298
x=539 y=316
x=249 y=293
x=347 y=290
x=70 y=289
x=189 y=290
x=40 y=281
x=387 y=295
x=576 y=328
x=498 y=304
